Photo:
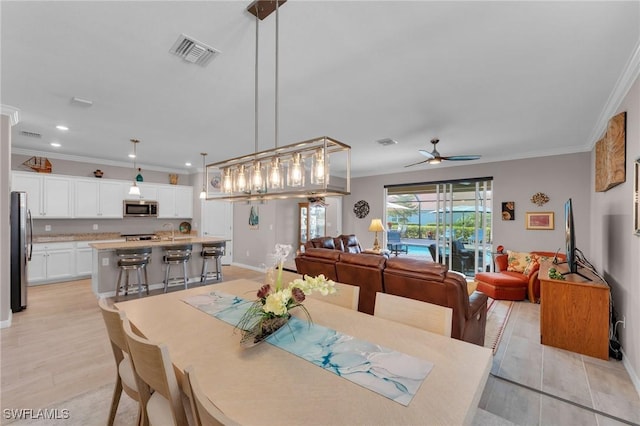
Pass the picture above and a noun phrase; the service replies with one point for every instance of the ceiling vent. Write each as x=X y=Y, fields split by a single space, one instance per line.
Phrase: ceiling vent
x=191 y=50
x=30 y=134
x=386 y=142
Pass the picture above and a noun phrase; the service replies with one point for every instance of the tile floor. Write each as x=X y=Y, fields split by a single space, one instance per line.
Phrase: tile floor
x=552 y=384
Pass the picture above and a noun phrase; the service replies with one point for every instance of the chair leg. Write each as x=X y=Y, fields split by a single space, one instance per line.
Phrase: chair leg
x=203 y=274
x=126 y=283
x=139 y=282
x=146 y=278
x=184 y=271
x=115 y=400
x=118 y=284
x=166 y=277
x=219 y=268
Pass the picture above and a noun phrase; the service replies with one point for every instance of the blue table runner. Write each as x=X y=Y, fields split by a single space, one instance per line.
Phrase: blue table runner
x=387 y=372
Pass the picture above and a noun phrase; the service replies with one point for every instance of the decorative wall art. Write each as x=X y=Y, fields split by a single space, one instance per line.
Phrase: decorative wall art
x=611 y=154
x=215 y=183
x=509 y=210
x=254 y=219
x=636 y=198
x=539 y=220
x=540 y=199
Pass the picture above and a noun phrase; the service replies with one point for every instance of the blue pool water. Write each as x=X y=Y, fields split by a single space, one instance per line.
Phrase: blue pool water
x=418 y=250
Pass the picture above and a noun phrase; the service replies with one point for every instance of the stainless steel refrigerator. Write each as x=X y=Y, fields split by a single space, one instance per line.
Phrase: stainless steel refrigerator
x=21 y=245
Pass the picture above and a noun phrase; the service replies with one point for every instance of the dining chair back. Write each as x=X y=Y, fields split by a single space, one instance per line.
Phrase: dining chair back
x=416 y=313
x=125 y=379
x=205 y=412
x=154 y=372
x=346 y=295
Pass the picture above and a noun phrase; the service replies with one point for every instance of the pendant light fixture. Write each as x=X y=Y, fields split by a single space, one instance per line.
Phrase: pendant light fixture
x=281 y=172
x=203 y=193
x=134 y=189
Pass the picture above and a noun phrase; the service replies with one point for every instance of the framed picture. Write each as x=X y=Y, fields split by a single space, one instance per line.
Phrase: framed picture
x=539 y=220
x=215 y=182
x=254 y=218
x=636 y=198
x=509 y=210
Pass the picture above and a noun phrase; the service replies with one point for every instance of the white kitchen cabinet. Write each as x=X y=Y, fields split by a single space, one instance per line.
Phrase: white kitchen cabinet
x=48 y=196
x=148 y=191
x=51 y=262
x=175 y=202
x=84 y=259
x=98 y=199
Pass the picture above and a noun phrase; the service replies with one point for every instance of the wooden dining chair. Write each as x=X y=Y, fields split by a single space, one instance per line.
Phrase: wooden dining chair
x=416 y=313
x=205 y=412
x=346 y=296
x=154 y=373
x=125 y=379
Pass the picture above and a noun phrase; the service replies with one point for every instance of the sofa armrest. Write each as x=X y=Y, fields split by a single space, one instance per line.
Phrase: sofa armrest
x=533 y=287
x=477 y=302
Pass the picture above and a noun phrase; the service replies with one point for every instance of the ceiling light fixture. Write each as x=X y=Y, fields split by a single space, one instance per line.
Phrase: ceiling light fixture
x=187 y=164
x=61 y=127
x=203 y=193
x=134 y=189
x=55 y=144
x=246 y=178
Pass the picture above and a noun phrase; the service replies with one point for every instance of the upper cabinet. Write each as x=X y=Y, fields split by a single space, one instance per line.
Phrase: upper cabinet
x=100 y=199
x=175 y=201
x=47 y=195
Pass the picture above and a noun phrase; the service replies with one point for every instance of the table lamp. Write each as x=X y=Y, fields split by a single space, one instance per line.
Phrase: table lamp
x=376 y=226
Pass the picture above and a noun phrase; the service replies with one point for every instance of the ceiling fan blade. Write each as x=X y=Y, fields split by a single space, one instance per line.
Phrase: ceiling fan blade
x=427 y=154
x=461 y=157
x=419 y=162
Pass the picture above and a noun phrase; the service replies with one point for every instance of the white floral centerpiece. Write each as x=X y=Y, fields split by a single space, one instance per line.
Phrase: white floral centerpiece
x=272 y=308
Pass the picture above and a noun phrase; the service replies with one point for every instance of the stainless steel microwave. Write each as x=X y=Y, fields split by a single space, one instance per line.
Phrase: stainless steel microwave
x=140 y=208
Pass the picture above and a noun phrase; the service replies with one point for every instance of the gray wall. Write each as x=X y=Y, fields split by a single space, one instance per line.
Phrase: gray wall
x=616 y=250
x=560 y=177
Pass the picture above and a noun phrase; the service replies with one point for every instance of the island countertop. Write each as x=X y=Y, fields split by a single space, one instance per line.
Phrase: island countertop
x=156 y=243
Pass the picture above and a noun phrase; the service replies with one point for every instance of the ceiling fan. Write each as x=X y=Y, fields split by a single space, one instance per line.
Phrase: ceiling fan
x=434 y=156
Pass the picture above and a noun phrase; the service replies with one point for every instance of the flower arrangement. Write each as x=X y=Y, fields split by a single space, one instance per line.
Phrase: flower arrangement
x=272 y=308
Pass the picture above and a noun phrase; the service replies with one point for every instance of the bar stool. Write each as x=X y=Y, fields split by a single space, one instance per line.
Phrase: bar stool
x=176 y=255
x=212 y=251
x=135 y=259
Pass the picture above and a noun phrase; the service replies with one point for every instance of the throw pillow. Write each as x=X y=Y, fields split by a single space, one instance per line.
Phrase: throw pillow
x=517 y=261
x=532 y=266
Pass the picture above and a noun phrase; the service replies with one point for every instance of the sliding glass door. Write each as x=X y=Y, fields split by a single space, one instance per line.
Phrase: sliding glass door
x=447 y=222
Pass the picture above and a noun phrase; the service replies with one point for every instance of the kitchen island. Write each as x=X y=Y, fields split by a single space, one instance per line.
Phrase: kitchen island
x=105 y=262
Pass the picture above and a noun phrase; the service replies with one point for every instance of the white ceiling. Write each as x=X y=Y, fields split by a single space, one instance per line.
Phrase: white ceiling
x=500 y=79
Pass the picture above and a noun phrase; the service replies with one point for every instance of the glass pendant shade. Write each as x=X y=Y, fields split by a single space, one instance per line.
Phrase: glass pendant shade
x=275 y=174
x=134 y=189
x=227 y=181
x=241 y=180
x=320 y=168
x=203 y=193
x=295 y=172
x=257 y=179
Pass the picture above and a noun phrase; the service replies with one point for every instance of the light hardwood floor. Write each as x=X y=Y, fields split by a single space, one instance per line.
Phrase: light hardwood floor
x=57 y=349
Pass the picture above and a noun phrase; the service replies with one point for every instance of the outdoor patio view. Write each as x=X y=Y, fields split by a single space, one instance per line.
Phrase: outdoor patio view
x=447 y=222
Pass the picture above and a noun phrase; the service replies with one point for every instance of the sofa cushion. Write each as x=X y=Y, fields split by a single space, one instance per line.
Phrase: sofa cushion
x=518 y=261
x=503 y=279
x=363 y=259
x=415 y=267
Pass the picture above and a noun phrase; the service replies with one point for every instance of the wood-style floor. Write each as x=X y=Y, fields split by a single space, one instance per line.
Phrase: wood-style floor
x=57 y=349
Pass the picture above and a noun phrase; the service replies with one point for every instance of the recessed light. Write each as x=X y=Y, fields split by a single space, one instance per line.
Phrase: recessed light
x=132 y=156
x=187 y=164
x=61 y=127
x=55 y=144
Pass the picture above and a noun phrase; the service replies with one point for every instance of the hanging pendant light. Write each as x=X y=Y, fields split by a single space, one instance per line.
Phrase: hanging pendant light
x=295 y=172
x=227 y=181
x=203 y=193
x=134 y=189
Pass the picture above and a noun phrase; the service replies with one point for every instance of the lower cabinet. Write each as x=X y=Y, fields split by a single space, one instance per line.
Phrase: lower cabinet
x=51 y=262
x=84 y=259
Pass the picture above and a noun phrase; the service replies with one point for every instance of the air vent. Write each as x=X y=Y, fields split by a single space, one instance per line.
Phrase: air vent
x=193 y=51
x=30 y=134
x=387 y=142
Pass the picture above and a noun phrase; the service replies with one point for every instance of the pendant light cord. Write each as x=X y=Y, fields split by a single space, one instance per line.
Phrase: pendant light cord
x=277 y=60
x=256 y=83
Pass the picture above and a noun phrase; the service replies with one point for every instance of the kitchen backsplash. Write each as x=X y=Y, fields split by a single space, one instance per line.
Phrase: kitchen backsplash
x=134 y=225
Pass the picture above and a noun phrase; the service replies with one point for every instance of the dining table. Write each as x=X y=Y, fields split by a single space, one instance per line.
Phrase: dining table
x=266 y=385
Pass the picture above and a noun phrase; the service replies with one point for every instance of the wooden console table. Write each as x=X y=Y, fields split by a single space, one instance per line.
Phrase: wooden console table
x=574 y=313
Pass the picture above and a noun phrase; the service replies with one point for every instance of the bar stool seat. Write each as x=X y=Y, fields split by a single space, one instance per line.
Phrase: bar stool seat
x=129 y=260
x=213 y=251
x=176 y=255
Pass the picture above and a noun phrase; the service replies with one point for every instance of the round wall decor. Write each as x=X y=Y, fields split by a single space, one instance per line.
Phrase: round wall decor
x=540 y=198
x=361 y=209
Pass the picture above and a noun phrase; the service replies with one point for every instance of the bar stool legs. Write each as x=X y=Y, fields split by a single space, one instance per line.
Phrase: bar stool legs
x=132 y=260
x=175 y=255
x=213 y=251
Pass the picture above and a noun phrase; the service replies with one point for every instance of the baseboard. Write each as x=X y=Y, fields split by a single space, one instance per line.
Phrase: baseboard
x=242 y=265
x=7 y=323
x=632 y=373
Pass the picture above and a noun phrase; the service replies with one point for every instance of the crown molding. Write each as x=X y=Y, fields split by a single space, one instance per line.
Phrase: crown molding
x=628 y=76
x=81 y=159
x=12 y=112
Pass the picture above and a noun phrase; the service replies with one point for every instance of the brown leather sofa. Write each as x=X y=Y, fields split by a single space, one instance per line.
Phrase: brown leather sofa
x=416 y=279
x=316 y=261
x=433 y=283
x=347 y=243
x=364 y=271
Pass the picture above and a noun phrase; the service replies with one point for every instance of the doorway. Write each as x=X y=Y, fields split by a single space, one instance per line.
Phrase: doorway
x=217 y=221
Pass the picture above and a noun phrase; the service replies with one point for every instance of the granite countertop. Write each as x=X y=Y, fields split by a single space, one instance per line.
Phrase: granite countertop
x=89 y=236
x=157 y=243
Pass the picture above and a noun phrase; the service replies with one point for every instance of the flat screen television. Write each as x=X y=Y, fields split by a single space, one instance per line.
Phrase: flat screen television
x=570 y=240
